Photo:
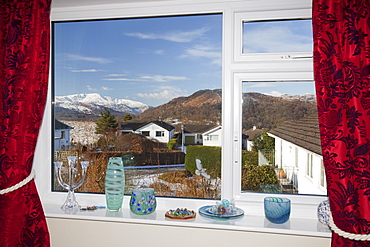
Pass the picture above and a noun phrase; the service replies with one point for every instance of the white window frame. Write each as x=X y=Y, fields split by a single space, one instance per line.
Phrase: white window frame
x=236 y=67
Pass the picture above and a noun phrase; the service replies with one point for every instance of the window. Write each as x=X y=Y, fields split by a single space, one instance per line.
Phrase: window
x=277 y=36
x=159 y=133
x=129 y=88
x=309 y=166
x=322 y=175
x=145 y=133
x=238 y=68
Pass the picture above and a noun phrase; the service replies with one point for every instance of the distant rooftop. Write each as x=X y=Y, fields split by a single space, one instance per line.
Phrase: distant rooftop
x=58 y=125
x=194 y=128
x=303 y=133
x=253 y=132
x=135 y=126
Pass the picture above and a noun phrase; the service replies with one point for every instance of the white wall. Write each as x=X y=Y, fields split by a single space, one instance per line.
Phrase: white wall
x=68 y=232
x=59 y=141
x=213 y=137
x=293 y=158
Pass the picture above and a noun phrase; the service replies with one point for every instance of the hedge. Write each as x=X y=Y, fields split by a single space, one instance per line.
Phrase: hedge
x=210 y=157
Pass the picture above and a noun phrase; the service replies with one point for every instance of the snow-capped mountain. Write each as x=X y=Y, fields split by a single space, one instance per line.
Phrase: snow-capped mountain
x=94 y=103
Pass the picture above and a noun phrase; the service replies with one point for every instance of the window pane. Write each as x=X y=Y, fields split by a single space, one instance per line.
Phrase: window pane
x=281 y=144
x=148 y=87
x=277 y=36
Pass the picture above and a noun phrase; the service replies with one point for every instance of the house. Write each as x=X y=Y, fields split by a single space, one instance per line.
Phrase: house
x=61 y=135
x=298 y=153
x=158 y=130
x=250 y=135
x=194 y=133
x=213 y=137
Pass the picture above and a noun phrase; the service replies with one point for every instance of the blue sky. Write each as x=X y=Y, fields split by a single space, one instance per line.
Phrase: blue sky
x=152 y=60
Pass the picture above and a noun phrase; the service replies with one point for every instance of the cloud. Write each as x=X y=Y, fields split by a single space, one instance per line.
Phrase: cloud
x=117 y=79
x=90 y=88
x=163 y=92
x=113 y=75
x=275 y=39
x=204 y=51
x=89 y=59
x=174 y=36
x=85 y=70
x=159 y=52
x=258 y=85
x=106 y=88
x=274 y=93
x=163 y=78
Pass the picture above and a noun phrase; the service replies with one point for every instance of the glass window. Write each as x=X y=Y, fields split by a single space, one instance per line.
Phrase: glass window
x=159 y=133
x=322 y=175
x=127 y=86
x=145 y=133
x=279 y=122
x=309 y=165
x=277 y=36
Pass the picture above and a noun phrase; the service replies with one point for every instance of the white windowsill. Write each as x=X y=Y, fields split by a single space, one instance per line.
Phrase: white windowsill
x=246 y=223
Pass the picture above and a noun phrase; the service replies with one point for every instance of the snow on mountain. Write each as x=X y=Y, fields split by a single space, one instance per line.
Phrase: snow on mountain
x=94 y=102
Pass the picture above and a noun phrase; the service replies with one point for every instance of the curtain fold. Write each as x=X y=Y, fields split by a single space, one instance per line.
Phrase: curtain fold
x=24 y=61
x=342 y=75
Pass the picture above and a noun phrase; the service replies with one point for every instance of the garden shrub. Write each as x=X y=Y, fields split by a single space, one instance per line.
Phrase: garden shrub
x=210 y=157
x=253 y=176
x=171 y=145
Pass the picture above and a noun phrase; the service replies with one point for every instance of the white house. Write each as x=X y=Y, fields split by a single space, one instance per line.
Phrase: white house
x=213 y=137
x=61 y=135
x=298 y=153
x=193 y=134
x=158 y=130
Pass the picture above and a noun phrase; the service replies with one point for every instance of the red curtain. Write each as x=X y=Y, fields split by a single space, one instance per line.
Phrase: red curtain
x=24 y=61
x=342 y=73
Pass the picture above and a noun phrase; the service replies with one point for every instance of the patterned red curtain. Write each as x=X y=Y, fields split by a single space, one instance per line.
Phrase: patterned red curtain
x=24 y=61
x=342 y=74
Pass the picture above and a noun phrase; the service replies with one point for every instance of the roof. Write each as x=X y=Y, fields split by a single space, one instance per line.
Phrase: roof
x=131 y=126
x=164 y=125
x=252 y=133
x=135 y=126
x=214 y=129
x=195 y=128
x=304 y=133
x=61 y=126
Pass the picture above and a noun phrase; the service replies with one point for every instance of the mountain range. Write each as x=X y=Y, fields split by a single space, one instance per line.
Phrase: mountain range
x=89 y=105
x=202 y=107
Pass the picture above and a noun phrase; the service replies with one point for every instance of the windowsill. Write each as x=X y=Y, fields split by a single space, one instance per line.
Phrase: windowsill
x=246 y=223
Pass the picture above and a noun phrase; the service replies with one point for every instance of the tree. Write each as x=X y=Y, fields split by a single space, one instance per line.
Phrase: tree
x=127 y=117
x=106 y=122
x=264 y=142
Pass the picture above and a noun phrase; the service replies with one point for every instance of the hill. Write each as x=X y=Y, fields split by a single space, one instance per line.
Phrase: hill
x=269 y=112
x=201 y=107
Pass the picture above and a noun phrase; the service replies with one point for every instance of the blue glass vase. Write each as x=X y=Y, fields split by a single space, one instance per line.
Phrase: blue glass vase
x=114 y=183
x=143 y=201
x=277 y=210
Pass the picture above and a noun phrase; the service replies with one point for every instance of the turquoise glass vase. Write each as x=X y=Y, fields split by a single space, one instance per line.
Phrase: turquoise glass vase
x=143 y=201
x=114 y=183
